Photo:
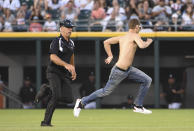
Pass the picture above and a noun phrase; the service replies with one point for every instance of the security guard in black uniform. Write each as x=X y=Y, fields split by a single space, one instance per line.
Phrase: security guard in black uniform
x=61 y=70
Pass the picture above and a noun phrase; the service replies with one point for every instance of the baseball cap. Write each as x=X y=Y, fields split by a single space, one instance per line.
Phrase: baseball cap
x=35 y=18
x=129 y=97
x=91 y=74
x=27 y=78
x=174 y=15
x=67 y=23
x=24 y=3
x=171 y=76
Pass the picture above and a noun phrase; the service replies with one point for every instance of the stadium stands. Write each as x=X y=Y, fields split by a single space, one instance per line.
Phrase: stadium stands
x=155 y=15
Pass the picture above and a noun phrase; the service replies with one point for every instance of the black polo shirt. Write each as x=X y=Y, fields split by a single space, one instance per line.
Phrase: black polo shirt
x=64 y=50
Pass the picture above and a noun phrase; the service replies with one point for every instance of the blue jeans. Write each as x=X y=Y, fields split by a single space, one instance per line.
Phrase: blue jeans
x=116 y=76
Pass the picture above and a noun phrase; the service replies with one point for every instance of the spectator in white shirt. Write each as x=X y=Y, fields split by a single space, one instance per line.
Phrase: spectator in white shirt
x=188 y=16
x=115 y=14
x=9 y=17
x=13 y=5
x=49 y=25
x=86 y=4
x=188 y=19
x=70 y=11
x=54 y=4
x=161 y=13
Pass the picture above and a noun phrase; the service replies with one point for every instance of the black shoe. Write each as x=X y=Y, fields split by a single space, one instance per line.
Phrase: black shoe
x=134 y=106
x=81 y=105
x=45 y=124
x=44 y=91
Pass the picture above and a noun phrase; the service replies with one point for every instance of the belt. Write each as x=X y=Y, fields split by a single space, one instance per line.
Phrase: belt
x=122 y=69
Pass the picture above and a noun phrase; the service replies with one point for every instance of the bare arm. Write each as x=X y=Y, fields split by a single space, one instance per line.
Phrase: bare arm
x=142 y=44
x=181 y=91
x=35 y=4
x=45 y=4
x=108 y=42
x=107 y=47
x=157 y=13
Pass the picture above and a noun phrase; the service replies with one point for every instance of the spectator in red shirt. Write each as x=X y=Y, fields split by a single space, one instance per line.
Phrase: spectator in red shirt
x=98 y=12
x=35 y=26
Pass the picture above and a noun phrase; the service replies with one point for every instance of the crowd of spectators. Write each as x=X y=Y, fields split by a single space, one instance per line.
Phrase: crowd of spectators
x=96 y=15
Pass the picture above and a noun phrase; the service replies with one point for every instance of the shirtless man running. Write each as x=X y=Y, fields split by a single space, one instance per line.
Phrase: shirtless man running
x=123 y=69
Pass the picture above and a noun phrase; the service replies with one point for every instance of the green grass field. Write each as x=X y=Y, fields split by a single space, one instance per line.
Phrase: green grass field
x=98 y=120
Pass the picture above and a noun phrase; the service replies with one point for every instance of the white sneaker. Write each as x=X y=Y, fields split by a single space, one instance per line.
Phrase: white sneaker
x=141 y=110
x=77 y=108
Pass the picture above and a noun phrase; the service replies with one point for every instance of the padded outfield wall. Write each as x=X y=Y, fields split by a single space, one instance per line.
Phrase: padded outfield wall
x=169 y=50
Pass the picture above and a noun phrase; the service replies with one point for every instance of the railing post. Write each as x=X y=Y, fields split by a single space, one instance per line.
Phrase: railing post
x=156 y=73
x=38 y=66
x=97 y=69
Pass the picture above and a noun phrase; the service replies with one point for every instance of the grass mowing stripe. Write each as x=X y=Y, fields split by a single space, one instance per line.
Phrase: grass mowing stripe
x=98 y=120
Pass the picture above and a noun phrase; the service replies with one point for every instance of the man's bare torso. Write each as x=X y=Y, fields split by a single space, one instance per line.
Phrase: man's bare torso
x=127 y=51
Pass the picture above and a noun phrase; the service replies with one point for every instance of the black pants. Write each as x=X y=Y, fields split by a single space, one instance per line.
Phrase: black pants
x=61 y=91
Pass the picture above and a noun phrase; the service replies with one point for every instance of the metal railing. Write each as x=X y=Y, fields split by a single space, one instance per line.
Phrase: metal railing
x=10 y=94
x=89 y=25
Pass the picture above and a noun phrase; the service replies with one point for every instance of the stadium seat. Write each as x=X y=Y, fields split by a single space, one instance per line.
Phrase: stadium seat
x=96 y=28
x=55 y=14
x=83 y=20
